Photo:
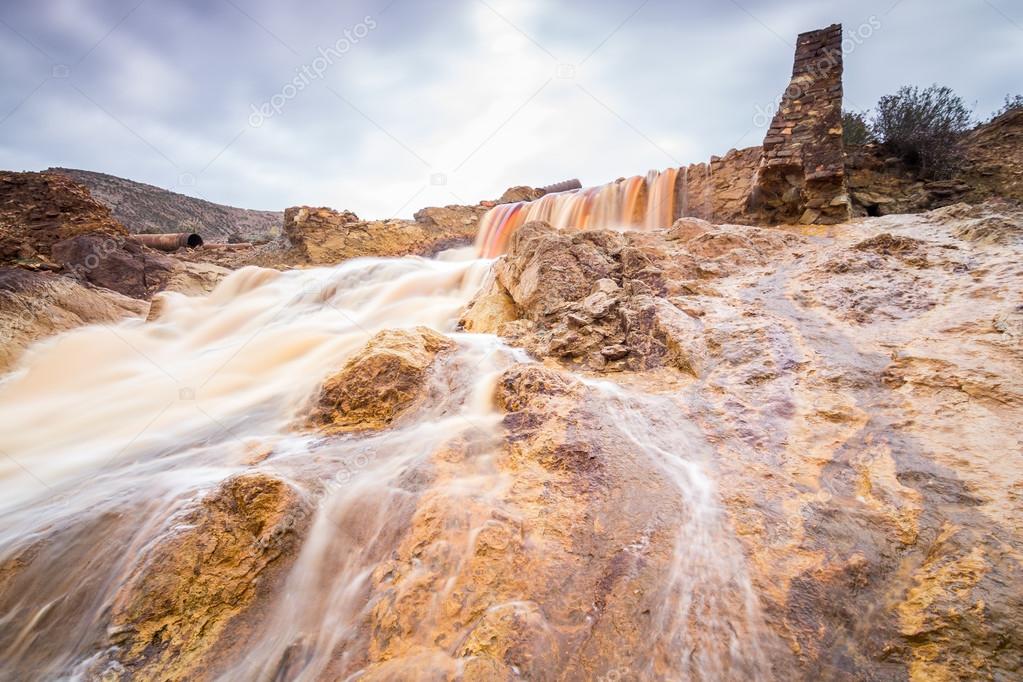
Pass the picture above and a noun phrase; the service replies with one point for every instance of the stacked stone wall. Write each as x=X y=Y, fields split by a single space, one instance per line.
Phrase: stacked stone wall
x=802 y=171
x=719 y=190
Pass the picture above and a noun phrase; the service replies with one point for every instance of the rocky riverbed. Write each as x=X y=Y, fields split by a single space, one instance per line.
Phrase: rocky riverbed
x=708 y=452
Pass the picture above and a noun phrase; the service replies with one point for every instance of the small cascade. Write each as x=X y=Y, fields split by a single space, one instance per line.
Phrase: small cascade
x=684 y=200
x=636 y=202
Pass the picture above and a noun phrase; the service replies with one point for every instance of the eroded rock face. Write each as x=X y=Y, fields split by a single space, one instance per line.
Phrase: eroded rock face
x=861 y=386
x=612 y=301
x=991 y=223
x=122 y=266
x=326 y=236
x=37 y=210
x=178 y=616
x=381 y=382
x=35 y=305
x=993 y=159
x=460 y=222
x=989 y=167
x=49 y=222
x=740 y=451
x=566 y=558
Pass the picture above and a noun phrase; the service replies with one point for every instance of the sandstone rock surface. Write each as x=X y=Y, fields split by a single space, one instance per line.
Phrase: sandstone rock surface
x=48 y=221
x=566 y=559
x=380 y=382
x=36 y=305
x=325 y=236
x=37 y=210
x=862 y=386
x=737 y=451
x=178 y=613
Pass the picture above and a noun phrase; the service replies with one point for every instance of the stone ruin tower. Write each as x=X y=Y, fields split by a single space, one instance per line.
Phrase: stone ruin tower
x=801 y=173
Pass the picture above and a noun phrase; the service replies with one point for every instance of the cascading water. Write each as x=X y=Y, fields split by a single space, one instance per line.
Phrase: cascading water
x=637 y=202
x=113 y=430
x=711 y=614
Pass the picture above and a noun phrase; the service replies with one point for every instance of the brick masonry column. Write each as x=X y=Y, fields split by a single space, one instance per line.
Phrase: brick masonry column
x=802 y=169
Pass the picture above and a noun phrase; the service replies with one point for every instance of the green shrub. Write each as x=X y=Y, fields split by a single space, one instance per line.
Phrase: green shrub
x=922 y=127
x=855 y=128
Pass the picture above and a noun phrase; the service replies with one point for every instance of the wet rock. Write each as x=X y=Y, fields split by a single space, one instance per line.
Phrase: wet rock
x=490 y=310
x=687 y=229
x=547 y=268
x=380 y=382
x=861 y=389
x=990 y=223
x=533 y=385
x=955 y=610
x=615 y=352
x=180 y=612
x=888 y=245
x=607 y=301
x=559 y=562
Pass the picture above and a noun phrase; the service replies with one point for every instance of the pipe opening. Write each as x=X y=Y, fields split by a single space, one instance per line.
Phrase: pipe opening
x=194 y=241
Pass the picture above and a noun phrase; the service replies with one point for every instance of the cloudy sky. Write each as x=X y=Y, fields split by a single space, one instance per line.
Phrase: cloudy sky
x=385 y=106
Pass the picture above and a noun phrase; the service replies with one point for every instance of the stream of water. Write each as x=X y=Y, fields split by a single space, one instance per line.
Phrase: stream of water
x=111 y=430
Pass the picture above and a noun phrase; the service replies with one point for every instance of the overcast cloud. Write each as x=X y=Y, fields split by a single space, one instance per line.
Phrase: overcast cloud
x=386 y=106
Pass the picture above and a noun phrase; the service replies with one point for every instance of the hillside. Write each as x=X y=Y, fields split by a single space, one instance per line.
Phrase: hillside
x=146 y=208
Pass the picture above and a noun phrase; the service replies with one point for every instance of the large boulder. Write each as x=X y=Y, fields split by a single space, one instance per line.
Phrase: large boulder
x=120 y=265
x=47 y=221
x=382 y=381
x=597 y=299
x=182 y=609
x=519 y=193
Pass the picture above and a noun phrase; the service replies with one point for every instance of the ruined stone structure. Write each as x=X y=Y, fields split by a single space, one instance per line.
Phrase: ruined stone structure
x=802 y=170
x=720 y=189
x=799 y=172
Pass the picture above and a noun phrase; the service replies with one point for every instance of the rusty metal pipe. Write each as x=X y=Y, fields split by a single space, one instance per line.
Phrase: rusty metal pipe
x=563 y=186
x=169 y=242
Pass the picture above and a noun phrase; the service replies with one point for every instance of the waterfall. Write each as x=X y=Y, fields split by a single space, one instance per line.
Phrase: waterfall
x=636 y=202
x=121 y=429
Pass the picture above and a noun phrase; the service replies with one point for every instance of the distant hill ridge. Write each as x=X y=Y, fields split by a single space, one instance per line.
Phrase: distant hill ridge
x=145 y=208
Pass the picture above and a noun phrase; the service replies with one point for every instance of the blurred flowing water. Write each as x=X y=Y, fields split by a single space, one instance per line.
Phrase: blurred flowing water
x=636 y=202
x=109 y=431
